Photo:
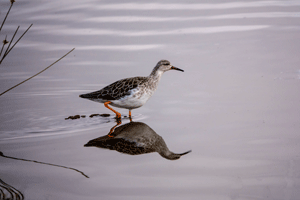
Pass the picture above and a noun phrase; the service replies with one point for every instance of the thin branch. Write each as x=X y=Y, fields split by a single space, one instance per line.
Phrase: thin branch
x=4 y=43
x=37 y=73
x=1 y=154
x=10 y=42
x=19 y=39
x=6 y=15
x=7 y=52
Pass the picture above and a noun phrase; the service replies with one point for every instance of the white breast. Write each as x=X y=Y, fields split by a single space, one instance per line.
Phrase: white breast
x=136 y=99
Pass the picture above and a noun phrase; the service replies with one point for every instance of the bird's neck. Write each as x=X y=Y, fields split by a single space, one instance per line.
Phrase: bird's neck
x=155 y=75
x=169 y=155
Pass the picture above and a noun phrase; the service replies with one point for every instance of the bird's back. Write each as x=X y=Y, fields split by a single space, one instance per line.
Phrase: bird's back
x=116 y=90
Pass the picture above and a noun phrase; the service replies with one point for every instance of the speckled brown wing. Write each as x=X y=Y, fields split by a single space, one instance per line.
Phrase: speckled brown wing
x=116 y=90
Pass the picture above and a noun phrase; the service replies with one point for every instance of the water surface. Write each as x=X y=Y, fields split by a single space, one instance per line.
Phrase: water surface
x=236 y=106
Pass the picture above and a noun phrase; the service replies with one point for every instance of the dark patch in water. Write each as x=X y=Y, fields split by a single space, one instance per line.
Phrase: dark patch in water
x=73 y=117
x=84 y=116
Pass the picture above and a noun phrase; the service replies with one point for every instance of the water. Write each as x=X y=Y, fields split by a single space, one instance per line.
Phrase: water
x=236 y=106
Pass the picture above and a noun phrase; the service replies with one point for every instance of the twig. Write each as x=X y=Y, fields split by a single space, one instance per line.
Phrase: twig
x=12 y=2
x=37 y=73
x=19 y=39
x=10 y=42
x=7 y=52
x=1 y=154
x=4 y=43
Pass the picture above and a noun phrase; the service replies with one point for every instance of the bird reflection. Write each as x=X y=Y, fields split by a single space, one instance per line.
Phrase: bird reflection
x=135 y=138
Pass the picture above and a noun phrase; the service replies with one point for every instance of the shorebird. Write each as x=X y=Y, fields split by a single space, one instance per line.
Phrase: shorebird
x=135 y=138
x=130 y=93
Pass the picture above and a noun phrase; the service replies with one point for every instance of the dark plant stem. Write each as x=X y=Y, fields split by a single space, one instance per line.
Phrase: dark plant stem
x=1 y=154
x=6 y=16
x=3 y=45
x=37 y=73
x=11 y=41
x=7 y=52
x=13 y=192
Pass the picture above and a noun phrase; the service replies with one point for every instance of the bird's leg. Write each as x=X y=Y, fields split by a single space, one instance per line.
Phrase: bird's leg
x=112 y=129
x=130 y=116
x=118 y=115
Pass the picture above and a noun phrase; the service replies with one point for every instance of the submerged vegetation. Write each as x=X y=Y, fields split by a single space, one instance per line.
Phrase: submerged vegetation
x=8 y=192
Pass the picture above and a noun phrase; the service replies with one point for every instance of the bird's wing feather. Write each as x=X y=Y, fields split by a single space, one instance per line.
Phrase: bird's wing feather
x=116 y=90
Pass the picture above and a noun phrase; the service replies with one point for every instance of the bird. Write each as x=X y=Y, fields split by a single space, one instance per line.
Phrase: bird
x=135 y=138
x=130 y=93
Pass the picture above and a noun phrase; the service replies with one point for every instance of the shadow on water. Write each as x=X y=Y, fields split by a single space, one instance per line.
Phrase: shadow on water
x=8 y=192
x=43 y=163
x=135 y=138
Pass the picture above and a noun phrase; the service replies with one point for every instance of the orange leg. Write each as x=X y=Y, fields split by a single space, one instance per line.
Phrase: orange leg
x=112 y=129
x=118 y=115
x=130 y=116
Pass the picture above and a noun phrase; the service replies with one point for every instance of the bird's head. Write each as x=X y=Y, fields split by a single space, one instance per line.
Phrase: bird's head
x=165 y=65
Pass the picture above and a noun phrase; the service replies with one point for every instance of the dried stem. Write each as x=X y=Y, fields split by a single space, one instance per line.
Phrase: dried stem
x=13 y=193
x=1 y=154
x=6 y=15
x=10 y=43
x=37 y=73
x=7 y=52
x=4 y=43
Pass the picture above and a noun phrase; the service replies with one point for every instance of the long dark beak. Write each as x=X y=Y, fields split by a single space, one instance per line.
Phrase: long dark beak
x=181 y=154
x=175 y=68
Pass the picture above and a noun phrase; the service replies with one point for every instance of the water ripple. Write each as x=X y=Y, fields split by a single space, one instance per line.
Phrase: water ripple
x=191 y=30
x=50 y=126
x=121 y=19
x=161 y=6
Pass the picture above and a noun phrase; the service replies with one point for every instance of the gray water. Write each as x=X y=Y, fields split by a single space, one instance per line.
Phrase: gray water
x=236 y=106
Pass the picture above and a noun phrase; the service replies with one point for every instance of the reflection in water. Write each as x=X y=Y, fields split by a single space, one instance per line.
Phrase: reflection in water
x=9 y=192
x=1 y=154
x=135 y=138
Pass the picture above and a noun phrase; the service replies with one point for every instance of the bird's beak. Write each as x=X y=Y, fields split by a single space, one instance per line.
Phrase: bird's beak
x=175 y=68
x=181 y=154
